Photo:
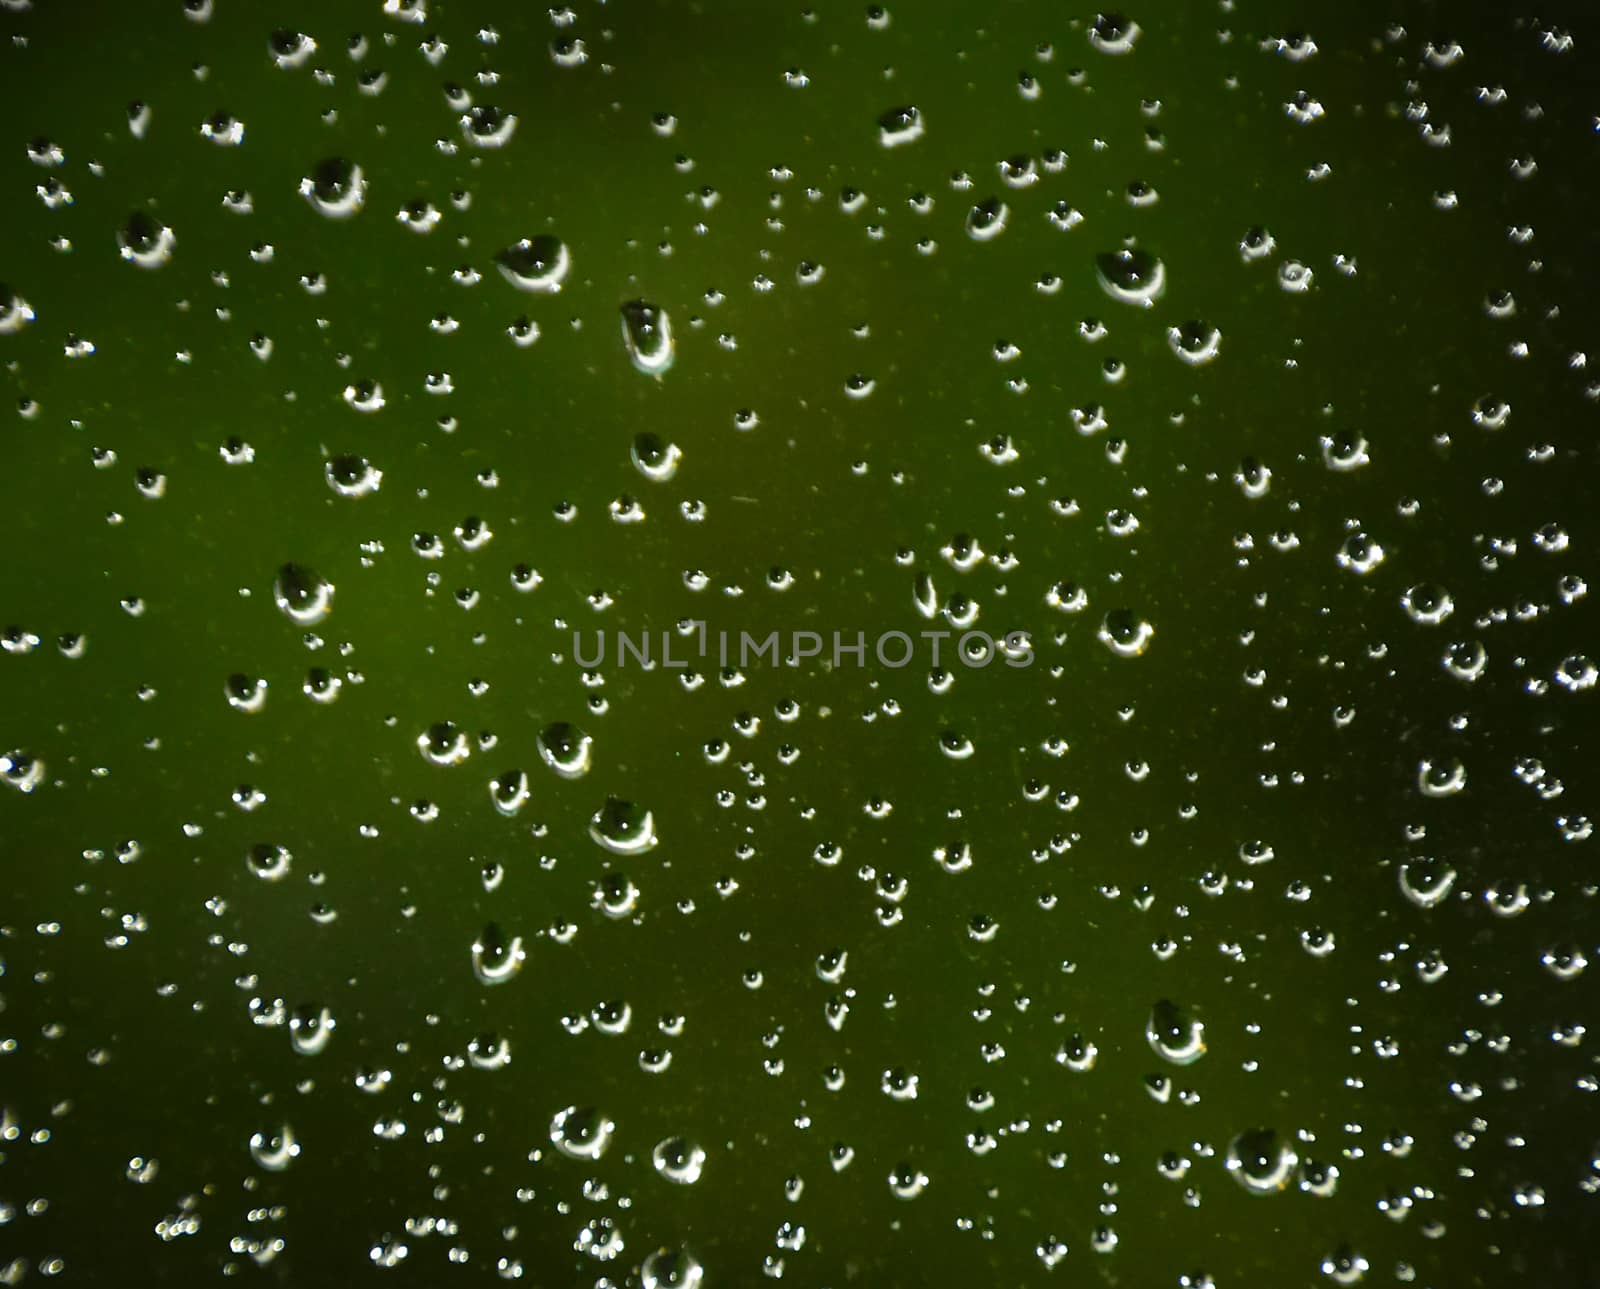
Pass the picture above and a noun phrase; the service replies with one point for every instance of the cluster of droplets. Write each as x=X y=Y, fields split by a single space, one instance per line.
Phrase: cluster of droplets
x=625 y=855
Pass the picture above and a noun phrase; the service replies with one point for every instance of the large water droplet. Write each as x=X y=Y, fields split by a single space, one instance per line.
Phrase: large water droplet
x=1113 y=33
x=310 y=1028
x=647 y=336
x=1260 y=1161
x=679 y=1160
x=496 y=959
x=14 y=311
x=565 y=749
x=1123 y=632
x=899 y=125
x=653 y=458
x=581 y=1132
x=623 y=828
x=275 y=1151
x=353 y=476
x=290 y=49
x=487 y=126
x=145 y=241
x=301 y=596
x=671 y=1269
x=336 y=188
x=538 y=264
x=1132 y=276
x=1197 y=343
x=1174 y=1034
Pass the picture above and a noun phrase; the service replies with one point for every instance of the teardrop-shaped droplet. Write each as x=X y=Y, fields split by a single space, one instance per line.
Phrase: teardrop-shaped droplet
x=647 y=336
x=1175 y=1034
x=303 y=597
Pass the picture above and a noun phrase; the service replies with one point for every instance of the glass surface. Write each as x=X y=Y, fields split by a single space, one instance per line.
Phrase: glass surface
x=374 y=365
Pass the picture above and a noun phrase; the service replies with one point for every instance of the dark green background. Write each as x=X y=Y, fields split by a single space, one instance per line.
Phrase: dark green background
x=830 y=489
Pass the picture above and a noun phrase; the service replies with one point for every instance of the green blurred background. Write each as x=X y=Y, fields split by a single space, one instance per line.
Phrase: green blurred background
x=1109 y=802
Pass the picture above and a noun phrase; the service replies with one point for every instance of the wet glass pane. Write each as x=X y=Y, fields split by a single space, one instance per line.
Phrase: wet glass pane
x=654 y=644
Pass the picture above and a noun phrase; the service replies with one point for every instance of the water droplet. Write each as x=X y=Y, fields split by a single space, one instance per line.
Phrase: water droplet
x=353 y=476
x=1077 y=1054
x=1466 y=659
x=1359 y=553
x=145 y=241
x=310 y=1028
x=987 y=220
x=1491 y=412
x=1426 y=882
x=487 y=126
x=653 y=458
x=1261 y=1162
x=581 y=1132
x=301 y=596
x=907 y=1182
x=336 y=188
x=1125 y=634
x=899 y=125
x=1344 y=1266
x=274 y=1152
x=1174 y=1034
x=565 y=749
x=223 y=129
x=21 y=771
x=246 y=693
x=489 y=1052
x=1427 y=604
x=1113 y=33
x=671 y=1269
x=1132 y=276
x=495 y=959
x=444 y=743
x=622 y=827
x=1197 y=343
x=509 y=792
x=270 y=862
x=647 y=336
x=290 y=49
x=679 y=1160
x=1576 y=673
x=14 y=311
x=539 y=264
